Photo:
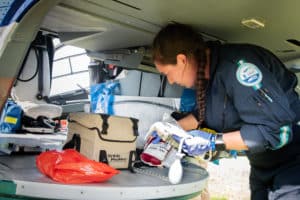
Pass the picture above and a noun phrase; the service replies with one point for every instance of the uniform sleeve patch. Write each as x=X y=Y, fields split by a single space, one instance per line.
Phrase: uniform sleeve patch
x=248 y=74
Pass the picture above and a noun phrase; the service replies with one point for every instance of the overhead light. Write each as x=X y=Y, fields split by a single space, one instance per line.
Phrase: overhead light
x=253 y=23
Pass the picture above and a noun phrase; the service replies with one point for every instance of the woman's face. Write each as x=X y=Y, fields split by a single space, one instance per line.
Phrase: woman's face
x=183 y=73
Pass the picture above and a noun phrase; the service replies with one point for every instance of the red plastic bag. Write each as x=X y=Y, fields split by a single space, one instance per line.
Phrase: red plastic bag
x=69 y=166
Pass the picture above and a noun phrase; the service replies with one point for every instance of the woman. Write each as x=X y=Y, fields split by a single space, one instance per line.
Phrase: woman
x=245 y=93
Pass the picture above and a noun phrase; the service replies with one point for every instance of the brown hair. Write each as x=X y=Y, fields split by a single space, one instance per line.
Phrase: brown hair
x=174 y=39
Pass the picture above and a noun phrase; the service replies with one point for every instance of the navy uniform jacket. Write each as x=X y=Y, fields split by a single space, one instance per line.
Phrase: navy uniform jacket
x=251 y=90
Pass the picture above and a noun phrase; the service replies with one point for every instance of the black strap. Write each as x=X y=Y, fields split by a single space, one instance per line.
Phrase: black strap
x=100 y=133
x=51 y=51
x=103 y=156
x=140 y=85
x=219 y=142
x=132 y=159
x=135 y=126
x=40 y=65
x=75 y=142
x=104 y=123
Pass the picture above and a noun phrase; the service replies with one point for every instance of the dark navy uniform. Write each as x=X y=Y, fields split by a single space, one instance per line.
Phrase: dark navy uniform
x=251 y=90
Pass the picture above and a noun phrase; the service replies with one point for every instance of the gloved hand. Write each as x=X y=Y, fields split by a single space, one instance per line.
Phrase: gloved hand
x=200 y=142
x=197 y=142
x=194 y=142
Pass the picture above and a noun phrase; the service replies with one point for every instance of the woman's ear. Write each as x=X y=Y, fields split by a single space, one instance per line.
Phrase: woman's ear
x=181 y=59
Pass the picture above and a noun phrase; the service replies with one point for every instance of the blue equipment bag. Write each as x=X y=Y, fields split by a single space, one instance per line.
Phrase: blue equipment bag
x=188 y=100
x=10 y=121
x=102 y=97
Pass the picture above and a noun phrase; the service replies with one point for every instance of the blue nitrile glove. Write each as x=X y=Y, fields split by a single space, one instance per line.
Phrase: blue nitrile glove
x=233 y=153
x=198 y=143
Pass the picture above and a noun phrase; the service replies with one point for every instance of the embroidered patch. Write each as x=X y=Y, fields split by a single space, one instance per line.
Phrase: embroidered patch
x=248 y=74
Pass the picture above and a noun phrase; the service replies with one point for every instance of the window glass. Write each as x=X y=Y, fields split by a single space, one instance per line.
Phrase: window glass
x=70 y=69
x=79 y=63
x=61 y=67
x=66 y=51
x=69 y=83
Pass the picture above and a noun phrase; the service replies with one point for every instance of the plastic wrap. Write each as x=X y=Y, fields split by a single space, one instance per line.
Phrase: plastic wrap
x=69 y=166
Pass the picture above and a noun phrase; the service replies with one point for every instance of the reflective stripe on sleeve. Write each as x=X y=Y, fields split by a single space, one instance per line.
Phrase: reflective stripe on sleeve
x=284 y=136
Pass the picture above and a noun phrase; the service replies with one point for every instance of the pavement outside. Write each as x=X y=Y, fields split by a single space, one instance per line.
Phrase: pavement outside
x=230 y=179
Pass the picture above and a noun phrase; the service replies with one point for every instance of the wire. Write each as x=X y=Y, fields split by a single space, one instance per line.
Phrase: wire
x=36 y=71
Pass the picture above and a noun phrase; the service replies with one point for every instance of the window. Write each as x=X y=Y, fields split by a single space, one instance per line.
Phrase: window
x=70 y=69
